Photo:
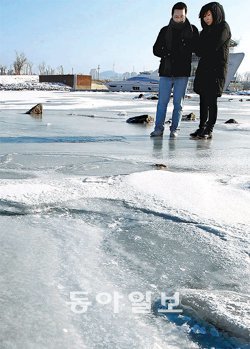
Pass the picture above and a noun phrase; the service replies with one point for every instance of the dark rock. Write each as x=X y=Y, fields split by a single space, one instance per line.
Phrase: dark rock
x=159 y=166
x=153 y=98
x=231 y=121
x=37 y=109
x=141 y=119
x=241 y=100
x=188 y=117
x=141 y=95
x=146 y=96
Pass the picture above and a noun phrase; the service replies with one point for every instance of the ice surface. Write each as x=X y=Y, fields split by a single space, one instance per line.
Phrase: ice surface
x=84 y=209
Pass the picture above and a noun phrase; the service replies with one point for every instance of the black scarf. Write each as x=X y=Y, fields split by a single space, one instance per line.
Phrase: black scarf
x=185 y=28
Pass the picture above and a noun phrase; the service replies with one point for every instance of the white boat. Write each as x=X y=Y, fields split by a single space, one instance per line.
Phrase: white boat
x=149 y=82
x=143 y=82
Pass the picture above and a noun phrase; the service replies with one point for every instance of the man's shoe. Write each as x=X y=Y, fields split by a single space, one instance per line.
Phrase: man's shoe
x=205 y=135
x=173 y=134
x=197 y=133
x=156 y=133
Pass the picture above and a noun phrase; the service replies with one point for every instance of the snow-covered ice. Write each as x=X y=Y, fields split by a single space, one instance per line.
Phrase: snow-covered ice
x=28 y=82
x=84 y=209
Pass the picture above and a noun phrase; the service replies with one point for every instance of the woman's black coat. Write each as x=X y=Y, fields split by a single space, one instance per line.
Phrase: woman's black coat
x=213 y=48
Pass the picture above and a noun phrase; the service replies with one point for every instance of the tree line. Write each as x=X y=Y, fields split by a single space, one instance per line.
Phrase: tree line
x=22 y=66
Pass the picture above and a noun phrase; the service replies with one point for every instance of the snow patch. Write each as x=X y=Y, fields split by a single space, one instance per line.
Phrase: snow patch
x=200 y=195
x=28 y=82
x=228 y=311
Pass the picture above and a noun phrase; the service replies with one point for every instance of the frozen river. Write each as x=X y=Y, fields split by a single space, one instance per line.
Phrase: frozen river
x=93 y=236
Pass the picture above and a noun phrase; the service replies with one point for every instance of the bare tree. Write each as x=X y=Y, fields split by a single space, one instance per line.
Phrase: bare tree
x=49 y=70
x=10 y=70
x=19 y=63
x=45 y=69
x=246 y=80
x=28 y=68
x=238 y=77
x=42 y=68
x=246 y=76
x=60 y=70
x=3 y=70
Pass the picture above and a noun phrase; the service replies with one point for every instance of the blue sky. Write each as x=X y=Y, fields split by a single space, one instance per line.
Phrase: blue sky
x=81 y=34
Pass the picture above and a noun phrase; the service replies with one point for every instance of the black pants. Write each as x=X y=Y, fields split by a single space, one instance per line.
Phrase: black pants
x=208 y=111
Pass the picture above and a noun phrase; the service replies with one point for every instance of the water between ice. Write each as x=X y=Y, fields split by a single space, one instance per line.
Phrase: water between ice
x=96 y=217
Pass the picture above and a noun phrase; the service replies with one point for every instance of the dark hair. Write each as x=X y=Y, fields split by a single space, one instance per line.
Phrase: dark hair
x=217 y=11
x=179 y=6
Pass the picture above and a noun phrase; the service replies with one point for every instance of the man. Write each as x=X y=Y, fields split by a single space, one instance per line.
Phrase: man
x=174 y=45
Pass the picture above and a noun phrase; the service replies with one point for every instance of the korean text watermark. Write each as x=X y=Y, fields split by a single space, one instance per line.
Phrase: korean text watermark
x=140 y=303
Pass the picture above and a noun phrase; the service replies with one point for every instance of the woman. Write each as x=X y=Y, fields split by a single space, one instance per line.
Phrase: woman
x=213 y=48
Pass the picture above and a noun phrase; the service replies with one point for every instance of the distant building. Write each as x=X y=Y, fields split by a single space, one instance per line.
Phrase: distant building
x=94 y=74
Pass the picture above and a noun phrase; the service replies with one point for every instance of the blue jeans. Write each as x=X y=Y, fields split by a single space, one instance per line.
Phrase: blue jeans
x=166 y=84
